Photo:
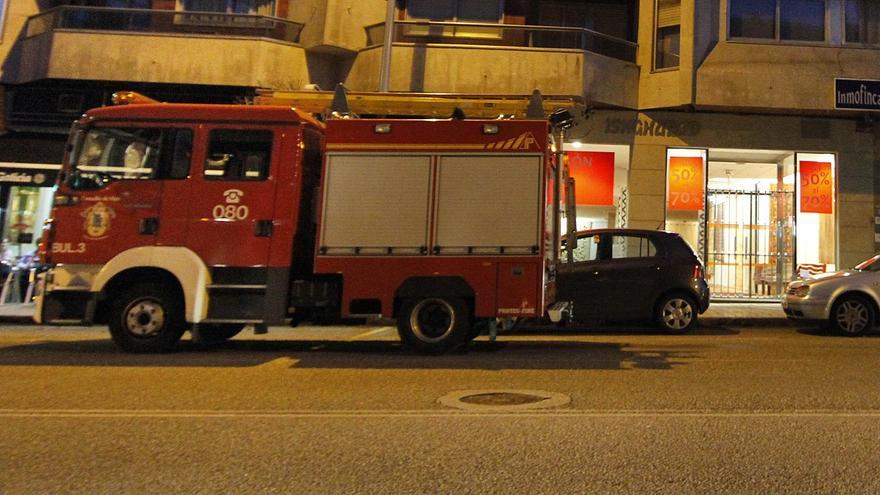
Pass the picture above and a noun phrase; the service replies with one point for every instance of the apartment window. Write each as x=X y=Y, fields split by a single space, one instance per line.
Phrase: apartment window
x=255 y=7
x=455 y=10
x=783 y=20
x=668 y=35
x=862 y=21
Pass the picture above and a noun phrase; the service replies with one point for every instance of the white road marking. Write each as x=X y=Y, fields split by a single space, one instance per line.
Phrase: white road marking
x=282 y=362
x=370 y=333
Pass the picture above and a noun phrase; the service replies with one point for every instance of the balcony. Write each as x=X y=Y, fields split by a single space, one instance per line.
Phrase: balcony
x=455 y=57
x=780 y=76
x=161 y=46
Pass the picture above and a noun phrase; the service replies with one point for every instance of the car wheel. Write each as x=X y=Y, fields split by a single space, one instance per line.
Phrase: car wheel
x=676 y=313
x=146 y=317
x=214 y=333
x=433 y=324
x=852 y=316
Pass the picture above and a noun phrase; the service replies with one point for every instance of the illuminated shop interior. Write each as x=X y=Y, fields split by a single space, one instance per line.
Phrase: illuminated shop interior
x=769 y=216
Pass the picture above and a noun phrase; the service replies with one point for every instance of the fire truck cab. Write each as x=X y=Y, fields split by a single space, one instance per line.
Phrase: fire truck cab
x=206 y=218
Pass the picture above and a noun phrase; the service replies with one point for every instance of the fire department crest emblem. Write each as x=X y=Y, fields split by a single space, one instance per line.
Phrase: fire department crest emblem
x=98 y=219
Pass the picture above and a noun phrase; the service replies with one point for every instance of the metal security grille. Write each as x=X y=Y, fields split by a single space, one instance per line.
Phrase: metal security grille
x=749 y=243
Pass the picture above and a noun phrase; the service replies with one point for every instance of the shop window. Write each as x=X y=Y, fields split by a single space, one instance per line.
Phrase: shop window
x=782 y=20
x=600 y=174
x=686 y=193
x=238 y=155
x=668 y=34
x=862 y=21
x=21 y=213
x=816 y=210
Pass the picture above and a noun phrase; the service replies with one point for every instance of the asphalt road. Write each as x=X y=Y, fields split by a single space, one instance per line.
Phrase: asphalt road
x=346 y=410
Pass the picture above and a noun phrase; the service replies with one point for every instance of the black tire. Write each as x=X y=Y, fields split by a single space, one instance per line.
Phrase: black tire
x=478 y=328
x=147 y=318
x=216 y=333
x=676 y=313
x=434 y=325
x=852 y=316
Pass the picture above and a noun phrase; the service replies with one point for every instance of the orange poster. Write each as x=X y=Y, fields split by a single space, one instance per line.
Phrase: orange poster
x=593 y=173
x=686 y=186
x=817 y=187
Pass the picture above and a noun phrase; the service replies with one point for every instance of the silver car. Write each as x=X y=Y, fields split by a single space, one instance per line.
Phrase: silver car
x=848 y=300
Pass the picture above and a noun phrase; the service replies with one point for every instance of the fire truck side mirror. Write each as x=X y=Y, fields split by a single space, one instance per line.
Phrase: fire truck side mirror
x=561 y=119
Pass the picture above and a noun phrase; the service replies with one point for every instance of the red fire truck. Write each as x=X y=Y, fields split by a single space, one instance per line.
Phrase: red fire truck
x=208 y=218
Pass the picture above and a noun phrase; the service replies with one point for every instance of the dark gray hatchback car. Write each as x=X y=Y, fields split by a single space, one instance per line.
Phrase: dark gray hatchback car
x=625 y=275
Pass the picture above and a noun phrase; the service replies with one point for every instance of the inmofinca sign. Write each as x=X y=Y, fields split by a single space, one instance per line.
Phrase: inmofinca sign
x=856 y=94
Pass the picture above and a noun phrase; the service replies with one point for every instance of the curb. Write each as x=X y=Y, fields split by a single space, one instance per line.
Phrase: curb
x=717 y=321
x=745 y=321
x=19 y=320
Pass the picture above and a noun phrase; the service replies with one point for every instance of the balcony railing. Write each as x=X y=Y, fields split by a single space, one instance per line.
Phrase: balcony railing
x=515 y=35
x=162 y=21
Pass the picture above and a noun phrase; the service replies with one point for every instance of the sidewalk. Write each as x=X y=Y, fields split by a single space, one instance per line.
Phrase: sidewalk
x=21 y=313
x=719 y=313
x=744 y=313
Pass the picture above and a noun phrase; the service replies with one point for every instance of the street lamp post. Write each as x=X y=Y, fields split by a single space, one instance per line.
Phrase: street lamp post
x=385 y=73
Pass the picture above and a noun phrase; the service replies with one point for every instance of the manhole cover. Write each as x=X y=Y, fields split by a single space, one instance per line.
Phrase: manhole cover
x=501 y=399
x=507 y=400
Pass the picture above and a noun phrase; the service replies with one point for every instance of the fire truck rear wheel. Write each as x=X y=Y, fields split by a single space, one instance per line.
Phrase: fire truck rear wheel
x=434 y=324
x=146 y=317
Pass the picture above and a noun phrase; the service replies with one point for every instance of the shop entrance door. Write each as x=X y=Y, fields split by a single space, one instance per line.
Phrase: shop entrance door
x=750 y=238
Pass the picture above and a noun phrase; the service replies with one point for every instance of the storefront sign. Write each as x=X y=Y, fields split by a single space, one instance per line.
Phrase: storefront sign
x=686 y=189
x=25 y=174
x=817 y=187
x=856 y=94
x=649 y=127
x=593 y=173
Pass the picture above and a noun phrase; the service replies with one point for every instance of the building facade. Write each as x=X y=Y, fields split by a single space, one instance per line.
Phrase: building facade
x=746 y=125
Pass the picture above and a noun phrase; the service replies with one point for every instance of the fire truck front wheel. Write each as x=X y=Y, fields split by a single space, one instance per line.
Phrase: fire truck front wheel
x=434 y=324
x=147 y=317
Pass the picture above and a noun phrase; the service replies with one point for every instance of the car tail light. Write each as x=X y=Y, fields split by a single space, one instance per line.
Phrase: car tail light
x=698 y=270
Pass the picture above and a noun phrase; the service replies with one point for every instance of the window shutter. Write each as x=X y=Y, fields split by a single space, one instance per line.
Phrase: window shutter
x=668 y=13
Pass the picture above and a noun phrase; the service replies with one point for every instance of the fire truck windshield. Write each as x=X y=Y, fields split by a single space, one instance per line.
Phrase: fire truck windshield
x=102 y=155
